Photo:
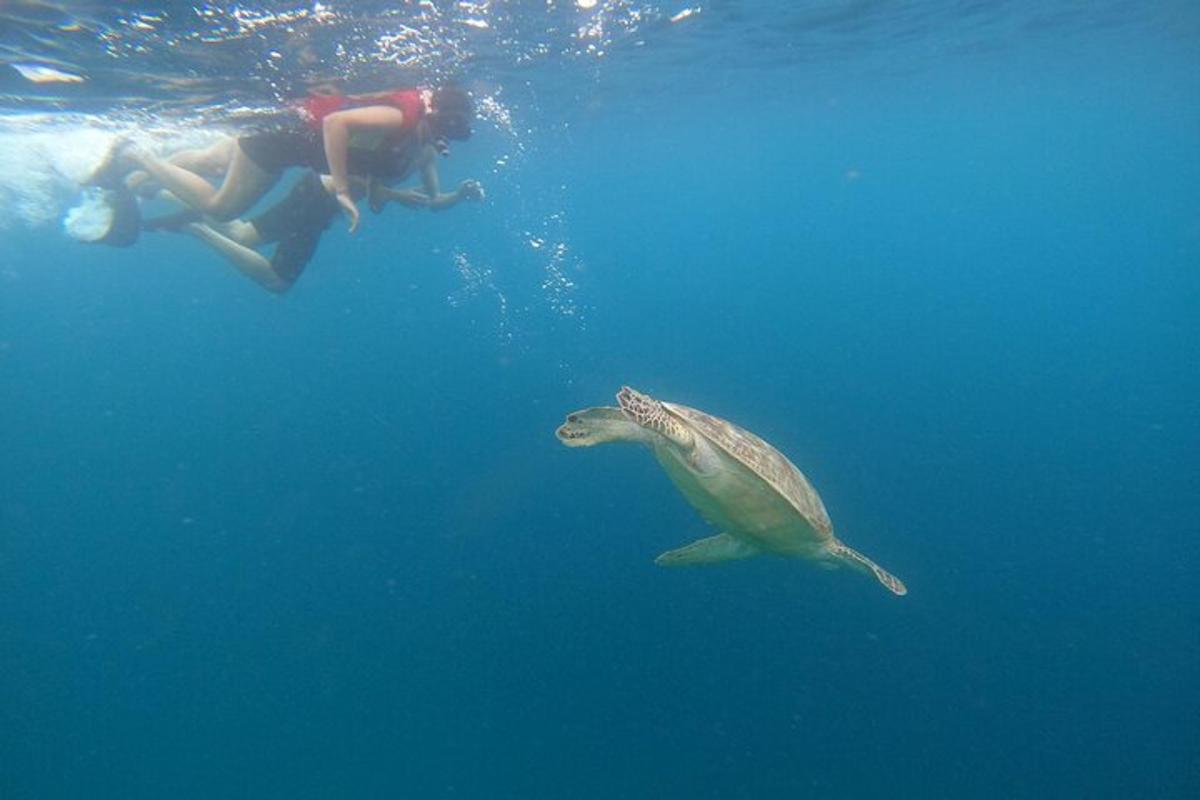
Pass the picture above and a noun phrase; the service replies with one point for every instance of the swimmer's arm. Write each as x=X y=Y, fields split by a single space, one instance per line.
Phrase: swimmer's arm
x=434 y=198
x=417 y=198
x=430 y=195
x=335 y=133
x=336 y=129
x=413 y=198
x=425 y=197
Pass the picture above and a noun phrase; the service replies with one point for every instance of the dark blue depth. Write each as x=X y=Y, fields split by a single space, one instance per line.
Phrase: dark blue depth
x=327 y=546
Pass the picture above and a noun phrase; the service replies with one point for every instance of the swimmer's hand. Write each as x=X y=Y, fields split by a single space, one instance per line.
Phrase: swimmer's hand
x=471 y=190
x=347 y=203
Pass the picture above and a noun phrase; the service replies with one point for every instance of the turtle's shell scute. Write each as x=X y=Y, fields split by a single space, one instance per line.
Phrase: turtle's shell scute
x=763 y=460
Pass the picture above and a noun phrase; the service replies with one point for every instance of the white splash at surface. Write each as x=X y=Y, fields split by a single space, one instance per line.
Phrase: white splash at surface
x=40 y=171
x=43 y=163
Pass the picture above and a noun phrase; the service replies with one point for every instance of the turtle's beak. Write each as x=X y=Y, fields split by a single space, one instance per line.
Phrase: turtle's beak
x=592 y=426
x=575 y=432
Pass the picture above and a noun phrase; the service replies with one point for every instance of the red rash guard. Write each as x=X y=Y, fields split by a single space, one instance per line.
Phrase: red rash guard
x=316 y=108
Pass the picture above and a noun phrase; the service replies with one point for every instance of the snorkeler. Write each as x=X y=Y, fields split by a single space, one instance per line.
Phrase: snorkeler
x=296 y=223
x=385 y=136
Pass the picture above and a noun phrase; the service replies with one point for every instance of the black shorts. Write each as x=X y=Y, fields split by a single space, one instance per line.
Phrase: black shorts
x=296 y=222
x=388 y=157
x=275 y=151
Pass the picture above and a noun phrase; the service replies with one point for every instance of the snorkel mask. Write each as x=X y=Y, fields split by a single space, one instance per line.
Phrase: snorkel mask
x=451 y=115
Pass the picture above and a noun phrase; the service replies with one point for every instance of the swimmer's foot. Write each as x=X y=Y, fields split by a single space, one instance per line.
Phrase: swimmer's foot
x=171 y=222
x=113 y=165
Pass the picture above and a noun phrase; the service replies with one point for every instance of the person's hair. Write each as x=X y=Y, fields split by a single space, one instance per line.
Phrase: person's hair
x=453 y=111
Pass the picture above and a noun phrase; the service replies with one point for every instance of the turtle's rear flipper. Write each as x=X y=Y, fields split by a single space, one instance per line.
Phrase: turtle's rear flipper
x=721 y=547
x=858 y=561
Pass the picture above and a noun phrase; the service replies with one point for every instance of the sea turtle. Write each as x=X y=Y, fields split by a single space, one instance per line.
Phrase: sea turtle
x=737 y=482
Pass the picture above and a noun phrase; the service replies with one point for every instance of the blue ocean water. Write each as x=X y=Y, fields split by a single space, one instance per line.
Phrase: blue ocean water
x=326 y=545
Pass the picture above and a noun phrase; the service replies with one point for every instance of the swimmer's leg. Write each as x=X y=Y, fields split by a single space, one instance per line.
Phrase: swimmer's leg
x=244 y=184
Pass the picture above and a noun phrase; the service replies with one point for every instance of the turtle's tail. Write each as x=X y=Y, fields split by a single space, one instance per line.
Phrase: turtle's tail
x=852 y=558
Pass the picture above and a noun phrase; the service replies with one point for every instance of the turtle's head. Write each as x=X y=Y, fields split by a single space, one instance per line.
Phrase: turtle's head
x=599 y=425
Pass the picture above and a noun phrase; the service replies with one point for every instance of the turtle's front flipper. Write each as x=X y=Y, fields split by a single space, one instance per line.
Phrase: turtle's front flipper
x=650 y=414
x=852 y=558
x=721 y=547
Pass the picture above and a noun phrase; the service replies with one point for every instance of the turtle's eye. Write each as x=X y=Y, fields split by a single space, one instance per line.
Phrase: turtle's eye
x=572 y=418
